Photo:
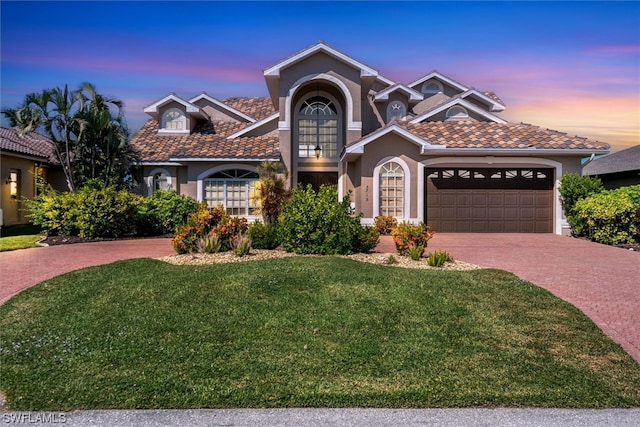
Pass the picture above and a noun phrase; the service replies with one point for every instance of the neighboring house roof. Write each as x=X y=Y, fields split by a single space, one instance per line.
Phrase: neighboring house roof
x=31 y=144
x=489 y=135
x=622 y=161
x=207 y=141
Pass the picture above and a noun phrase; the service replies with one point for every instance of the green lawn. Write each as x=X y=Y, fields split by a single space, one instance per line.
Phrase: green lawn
x=300 y=332
x=19 y=237
x=19 y=242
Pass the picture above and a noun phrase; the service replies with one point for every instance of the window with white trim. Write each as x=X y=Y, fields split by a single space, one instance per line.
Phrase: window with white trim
x=432 y=87
x=392 y=190
x=396 y=111
x=235 y=189
x=457 y=112
x=174 y=119
x=160 y=182
x=318 y=127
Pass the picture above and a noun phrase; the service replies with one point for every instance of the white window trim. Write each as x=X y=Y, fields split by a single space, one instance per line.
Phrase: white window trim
x=403 y=110
x=206 y=174
x=163 y=125
x=351 y=124
x=449 y=115
x=406 y=190
x=149 y=179
x=559 y=223
x=295 y=134
x=423 y=89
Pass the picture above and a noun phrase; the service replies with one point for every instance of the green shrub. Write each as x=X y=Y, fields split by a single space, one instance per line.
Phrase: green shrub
x=574 y=188
x=90 y=213
x=610 y=217
x=391 y=259
x=209 y=244
x=163 y=211
x=54 y=212
x=407 y=236
x=319 y=223
x=415 y=252
x=107 y=212
x=438 y=258
x=263 y=236
x=365 y=238
x=241 y=244
x=385 y=224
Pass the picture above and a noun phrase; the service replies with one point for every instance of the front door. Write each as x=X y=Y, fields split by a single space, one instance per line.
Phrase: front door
x=316 y=179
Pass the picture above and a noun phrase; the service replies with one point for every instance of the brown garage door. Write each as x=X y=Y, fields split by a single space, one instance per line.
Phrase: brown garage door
x=485 y=200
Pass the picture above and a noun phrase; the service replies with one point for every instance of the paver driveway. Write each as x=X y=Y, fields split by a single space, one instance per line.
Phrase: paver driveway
x=27 y=267
x=602 y=281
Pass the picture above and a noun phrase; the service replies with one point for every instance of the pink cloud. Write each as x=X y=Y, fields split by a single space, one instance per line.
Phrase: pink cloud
x=622 y=49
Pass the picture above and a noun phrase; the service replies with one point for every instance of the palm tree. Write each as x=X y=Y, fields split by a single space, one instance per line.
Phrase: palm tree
x=88 y=130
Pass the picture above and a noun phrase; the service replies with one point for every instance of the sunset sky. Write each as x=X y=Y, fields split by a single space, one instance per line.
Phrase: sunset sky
x=567 y=66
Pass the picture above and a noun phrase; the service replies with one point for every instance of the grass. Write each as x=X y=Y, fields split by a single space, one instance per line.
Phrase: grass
x=302 y=332
x=19 y=237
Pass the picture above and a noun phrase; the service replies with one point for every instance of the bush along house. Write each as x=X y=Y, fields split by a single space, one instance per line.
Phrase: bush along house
x=433 y=150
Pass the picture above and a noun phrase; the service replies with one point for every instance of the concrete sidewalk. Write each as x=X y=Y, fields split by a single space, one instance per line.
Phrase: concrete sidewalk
x=308 y=417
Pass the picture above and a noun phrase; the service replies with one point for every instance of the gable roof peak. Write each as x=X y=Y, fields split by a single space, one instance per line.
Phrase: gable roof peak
x=321 y=46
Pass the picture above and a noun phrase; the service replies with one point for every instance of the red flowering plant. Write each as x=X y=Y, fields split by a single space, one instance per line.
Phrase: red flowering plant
x=204 y=222
x=408 y=237
x=228 y=227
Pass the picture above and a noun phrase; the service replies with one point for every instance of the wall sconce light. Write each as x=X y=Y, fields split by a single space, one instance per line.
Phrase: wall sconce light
x=317 y=150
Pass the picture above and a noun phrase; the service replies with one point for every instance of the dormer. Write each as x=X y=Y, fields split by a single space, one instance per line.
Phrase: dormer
x=435 y=83
x=217 y=110
x=175 y=115
x=394 y=102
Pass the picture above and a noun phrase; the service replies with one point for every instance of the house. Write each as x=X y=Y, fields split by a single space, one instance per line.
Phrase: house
x=22 y=158
x=432 y=150
x=616 y=169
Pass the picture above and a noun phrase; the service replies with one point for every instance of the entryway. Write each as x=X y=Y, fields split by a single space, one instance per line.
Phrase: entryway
x=316 y=179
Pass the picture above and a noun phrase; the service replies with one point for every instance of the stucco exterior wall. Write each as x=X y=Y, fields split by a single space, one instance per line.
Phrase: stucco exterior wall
x=12 y=207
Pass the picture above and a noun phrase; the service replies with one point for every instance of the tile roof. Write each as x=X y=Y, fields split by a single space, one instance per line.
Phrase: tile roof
x=207 y=141
x=258 y=108
x=621 y=161
x=472 y=134
x=32 y=144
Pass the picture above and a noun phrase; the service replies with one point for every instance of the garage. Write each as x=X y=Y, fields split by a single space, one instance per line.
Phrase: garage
x=490 y=200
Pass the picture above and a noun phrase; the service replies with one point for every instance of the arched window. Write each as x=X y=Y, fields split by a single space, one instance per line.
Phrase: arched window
x=391 y=190
x=431 y=87
x=396 y=111
x=235 y=189
x=318 y=127
x=174 y=120
x=160 y=182
x=457 y=112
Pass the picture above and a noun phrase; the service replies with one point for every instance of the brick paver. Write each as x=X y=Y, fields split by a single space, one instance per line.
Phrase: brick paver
x=602 y=281
x=24 y=268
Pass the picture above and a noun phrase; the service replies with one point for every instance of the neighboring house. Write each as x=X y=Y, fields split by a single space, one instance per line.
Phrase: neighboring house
x=616 y=169
x=22 y=158
x=432 y=150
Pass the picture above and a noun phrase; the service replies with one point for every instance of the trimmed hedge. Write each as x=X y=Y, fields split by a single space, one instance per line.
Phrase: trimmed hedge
x=610 y=217
x=318 y=223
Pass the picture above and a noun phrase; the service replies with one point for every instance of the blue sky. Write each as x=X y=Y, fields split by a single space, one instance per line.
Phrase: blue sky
x=568 y=66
